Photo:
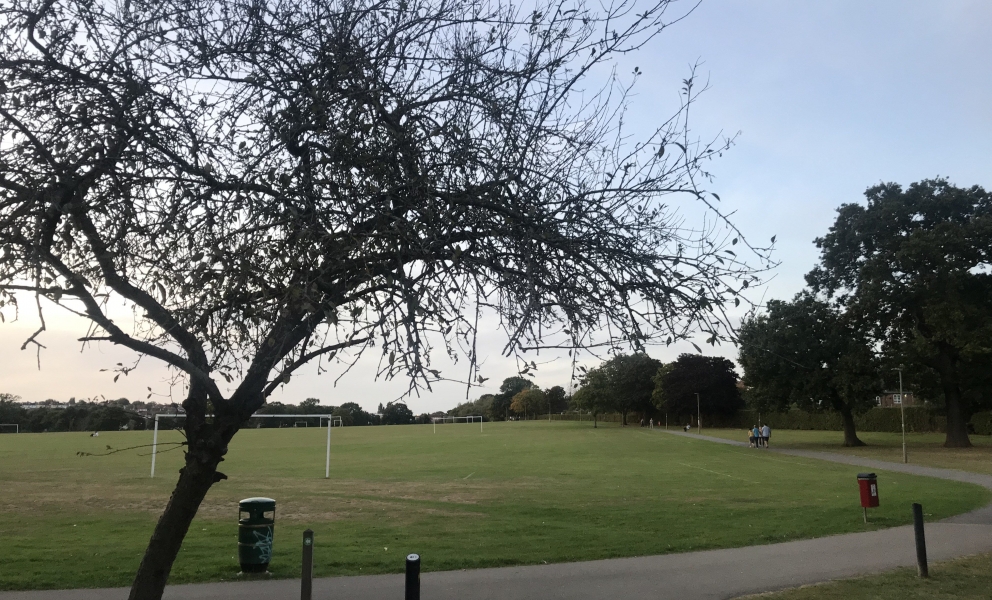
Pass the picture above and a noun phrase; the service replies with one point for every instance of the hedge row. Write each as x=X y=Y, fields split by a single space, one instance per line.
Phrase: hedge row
x=918 y=420
x=609 y=418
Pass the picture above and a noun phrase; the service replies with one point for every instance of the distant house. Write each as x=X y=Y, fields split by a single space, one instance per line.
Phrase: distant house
x=893 y=400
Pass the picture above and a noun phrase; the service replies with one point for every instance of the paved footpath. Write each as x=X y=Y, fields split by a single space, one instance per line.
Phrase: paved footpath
x=706 y=575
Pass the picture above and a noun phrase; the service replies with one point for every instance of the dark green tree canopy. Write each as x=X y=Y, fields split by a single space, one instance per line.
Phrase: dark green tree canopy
x=557 y=399
x=396 y=413
x=353 y=414
x=807 y=353
x=714 y=378
x=482 y=406
x=915 y=265
x=622 y=384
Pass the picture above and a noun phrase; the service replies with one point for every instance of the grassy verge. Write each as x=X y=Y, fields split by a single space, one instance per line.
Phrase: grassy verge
x=921 y=448
x=962 y=579
x=518 y=493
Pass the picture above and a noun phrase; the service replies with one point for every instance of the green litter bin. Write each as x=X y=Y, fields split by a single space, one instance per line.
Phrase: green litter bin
x=256 y=526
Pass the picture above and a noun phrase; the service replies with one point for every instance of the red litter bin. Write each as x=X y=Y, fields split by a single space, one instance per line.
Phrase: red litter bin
x=868 y=486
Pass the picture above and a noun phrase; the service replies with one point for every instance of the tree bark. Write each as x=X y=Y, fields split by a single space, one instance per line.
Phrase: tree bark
x=957 y=420
x=850 y=433
x=195 y=480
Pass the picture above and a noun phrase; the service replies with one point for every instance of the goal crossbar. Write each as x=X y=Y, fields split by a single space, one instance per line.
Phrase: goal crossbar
x=467 y=419
x=331 y=419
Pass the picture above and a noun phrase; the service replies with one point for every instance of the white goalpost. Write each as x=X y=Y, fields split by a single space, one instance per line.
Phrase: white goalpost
x=446 y=419
x=331 y=420
x=10 y=428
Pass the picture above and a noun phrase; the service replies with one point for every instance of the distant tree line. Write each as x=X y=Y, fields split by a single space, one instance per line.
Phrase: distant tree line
x=637 y=384
x=628 y=385
x=122 y=414
x=392 y=413
x=82 y=415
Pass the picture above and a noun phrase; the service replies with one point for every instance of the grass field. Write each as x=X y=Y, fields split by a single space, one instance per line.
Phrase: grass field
x=921 y=448
x=518 y=493
x=967 y=578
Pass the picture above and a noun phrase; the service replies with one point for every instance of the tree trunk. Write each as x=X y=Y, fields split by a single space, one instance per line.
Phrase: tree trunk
x=623 y=419
x=850 y=433
x=195 y=480
x=206 y=446
x=957 y=420
x=594 y=425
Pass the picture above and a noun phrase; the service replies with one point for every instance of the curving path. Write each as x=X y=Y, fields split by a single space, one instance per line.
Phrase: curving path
x=706 y=575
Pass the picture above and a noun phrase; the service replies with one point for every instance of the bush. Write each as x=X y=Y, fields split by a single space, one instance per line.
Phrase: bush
x=918 y=420
x=981 y=423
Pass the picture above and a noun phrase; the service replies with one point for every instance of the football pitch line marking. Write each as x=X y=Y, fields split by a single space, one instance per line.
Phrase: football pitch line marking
x=469 y=475
x=717 y=472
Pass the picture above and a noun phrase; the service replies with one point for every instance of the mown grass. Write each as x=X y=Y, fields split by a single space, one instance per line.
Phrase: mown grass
x=518 y=493
x=967 y=578
x=921 y=448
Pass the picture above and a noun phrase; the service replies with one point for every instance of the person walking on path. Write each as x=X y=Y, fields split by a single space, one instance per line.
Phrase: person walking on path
x=766 y=432
x=757 y=436
x=750 y=438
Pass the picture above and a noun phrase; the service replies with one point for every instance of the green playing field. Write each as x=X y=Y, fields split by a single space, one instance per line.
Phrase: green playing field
x=516 y=493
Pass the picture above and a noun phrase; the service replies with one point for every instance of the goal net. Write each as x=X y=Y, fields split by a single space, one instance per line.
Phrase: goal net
x=453 y=419
x=10 y=428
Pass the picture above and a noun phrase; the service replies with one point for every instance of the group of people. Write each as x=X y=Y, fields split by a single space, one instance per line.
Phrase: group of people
x=757 y=437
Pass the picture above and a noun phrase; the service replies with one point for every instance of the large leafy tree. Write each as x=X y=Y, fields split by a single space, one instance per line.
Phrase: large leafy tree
x=529 y=402
x=511 y=386
x=714 y=378
x=593 y=401
x=624 y=383
x=479 y=407
x=557 y=399
x=397 y=413
x=11 y=410
x=809 y=354
x=353 y=414
x=268 y=184
x=914 y=264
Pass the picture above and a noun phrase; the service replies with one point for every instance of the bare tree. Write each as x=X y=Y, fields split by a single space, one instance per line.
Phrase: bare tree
x=270 y=183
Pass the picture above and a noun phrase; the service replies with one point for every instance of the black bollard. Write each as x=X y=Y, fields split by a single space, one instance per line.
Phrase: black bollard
x=306 y=580
x=413 y=577
x=921 y=542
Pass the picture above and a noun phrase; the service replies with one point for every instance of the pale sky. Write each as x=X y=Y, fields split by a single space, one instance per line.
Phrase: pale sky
x=829 y=98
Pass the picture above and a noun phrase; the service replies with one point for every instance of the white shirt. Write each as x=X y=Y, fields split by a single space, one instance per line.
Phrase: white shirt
x=766 y=431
